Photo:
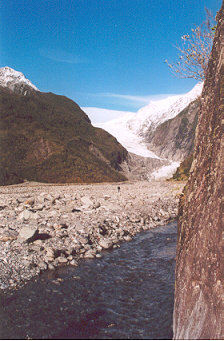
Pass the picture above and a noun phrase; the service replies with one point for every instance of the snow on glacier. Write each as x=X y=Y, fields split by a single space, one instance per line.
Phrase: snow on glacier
x=129 y=128
x=165 y=171
x=157 y=112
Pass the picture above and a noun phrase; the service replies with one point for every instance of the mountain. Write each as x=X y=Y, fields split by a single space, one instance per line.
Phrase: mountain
x=134 y=129
x=48 y=138
x=156 y=112
x=15 y=81
x=163 y=130
x=174 y=138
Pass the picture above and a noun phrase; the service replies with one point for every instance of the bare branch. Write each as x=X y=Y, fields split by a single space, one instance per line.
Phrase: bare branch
x=195 y=51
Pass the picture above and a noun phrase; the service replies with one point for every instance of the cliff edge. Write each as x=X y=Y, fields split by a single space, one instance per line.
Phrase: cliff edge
x=198 y=290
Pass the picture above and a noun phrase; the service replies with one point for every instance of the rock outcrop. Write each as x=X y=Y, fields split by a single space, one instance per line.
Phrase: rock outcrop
x=198 y=290
x=174 y=139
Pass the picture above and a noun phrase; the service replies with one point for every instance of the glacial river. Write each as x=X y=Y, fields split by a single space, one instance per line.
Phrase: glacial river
x=126 y=294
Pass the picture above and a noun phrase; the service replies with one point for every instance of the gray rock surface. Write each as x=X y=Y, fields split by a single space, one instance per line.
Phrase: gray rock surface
x=27 y=234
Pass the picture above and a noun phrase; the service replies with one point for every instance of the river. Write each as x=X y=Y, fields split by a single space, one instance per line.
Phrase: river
x=126 y=294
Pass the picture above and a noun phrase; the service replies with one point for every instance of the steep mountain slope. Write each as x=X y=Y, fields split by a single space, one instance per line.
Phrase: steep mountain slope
x=137 y=130
x=199 y=301
x=174 y=139
x=16 y=81
x=156 y=112
x=48 y=138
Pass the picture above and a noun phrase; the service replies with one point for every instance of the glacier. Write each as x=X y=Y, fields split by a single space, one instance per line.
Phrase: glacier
x=130 y=128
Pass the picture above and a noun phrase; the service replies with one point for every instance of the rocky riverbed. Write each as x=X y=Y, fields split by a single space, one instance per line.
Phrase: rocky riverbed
x=45 y=226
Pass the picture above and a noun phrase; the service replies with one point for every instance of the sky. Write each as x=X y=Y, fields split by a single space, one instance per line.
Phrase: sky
x=100 y=53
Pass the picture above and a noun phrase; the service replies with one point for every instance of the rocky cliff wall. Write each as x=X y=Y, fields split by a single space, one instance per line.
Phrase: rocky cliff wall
x=198 y=290
x=174 y=139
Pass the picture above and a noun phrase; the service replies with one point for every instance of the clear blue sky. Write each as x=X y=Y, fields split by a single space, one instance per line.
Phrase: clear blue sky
x=100 y=53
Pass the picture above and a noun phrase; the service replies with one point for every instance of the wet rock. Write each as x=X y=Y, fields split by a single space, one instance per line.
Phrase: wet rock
x=90 y=254
x=127 y=238
x=62 y=260
x=51 y=267
x=4 y=286
x=42 y=265
x=106 y=243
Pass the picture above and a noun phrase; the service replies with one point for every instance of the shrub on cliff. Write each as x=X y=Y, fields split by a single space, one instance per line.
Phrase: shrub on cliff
x=182 y=172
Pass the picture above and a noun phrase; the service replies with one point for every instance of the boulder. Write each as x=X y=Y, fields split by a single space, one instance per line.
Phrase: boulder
x=86 y=201
x=105 y=243
x=27 y=234
x=27 y=215
x=62 y=259
x=90 y=254
x=30 y=202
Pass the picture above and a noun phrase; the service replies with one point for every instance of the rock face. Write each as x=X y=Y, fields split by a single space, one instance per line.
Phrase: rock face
x=174 y=139
x=198 y=293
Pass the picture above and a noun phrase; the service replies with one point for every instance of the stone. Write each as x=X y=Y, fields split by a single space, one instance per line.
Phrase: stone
x=86 y=201
x=62 y=259
x=35 y=248
x=42 y=265
x=26 y=215
x=127 y=238
x=51 y=267
x=105 y=243
x=38 y=207
x=30 y=202
x=106 y=225
x=83 y=240
x=7 y=236
x=27 y=234
x=90 y=254
x=26 y=262
x=79 y=226
x=74 y=262
x=38 y=242
x=97 y=205
x=4 y=286
x=50 y=252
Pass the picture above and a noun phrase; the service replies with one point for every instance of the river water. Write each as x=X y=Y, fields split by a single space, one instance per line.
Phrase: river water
x=126 y=294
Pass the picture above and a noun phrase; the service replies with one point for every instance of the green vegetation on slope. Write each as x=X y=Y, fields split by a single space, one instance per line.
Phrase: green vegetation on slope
x=182 y=172
x=48 y=138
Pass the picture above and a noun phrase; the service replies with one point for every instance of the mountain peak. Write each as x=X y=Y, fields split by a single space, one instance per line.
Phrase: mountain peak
x=15 y=81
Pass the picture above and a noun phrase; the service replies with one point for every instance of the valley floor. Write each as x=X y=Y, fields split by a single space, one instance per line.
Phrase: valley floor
x=44 y=226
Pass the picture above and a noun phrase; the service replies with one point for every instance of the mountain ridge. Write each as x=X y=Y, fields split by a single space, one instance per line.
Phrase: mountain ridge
x=48 y=138
x=15 y=81
x=163 y=130
x=140 y=133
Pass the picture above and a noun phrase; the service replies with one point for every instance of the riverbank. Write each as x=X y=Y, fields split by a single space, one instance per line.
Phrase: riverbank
x=46 y=226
